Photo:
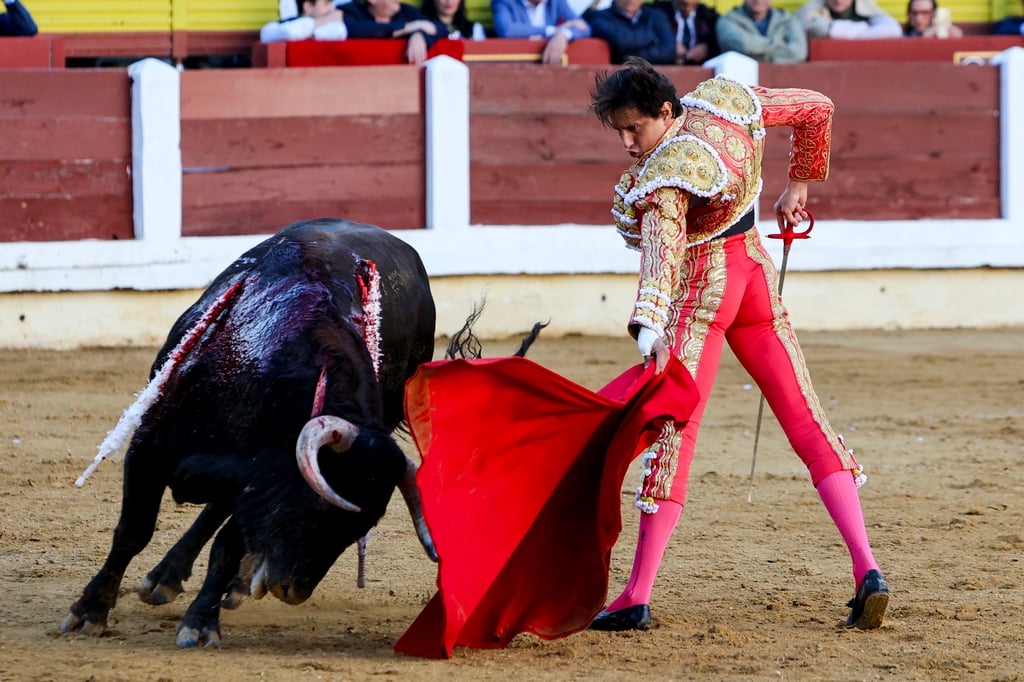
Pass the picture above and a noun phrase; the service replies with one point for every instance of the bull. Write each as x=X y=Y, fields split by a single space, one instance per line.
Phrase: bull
x=273 y=403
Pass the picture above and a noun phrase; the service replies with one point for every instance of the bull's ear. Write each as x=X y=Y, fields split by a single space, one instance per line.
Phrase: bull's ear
x=202 y=478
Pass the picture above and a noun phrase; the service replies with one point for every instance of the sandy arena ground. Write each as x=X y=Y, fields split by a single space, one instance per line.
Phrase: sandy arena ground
x=747 y=591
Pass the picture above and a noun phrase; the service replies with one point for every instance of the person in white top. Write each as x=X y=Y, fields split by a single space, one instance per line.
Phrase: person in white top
x=320 y=20
x=847 y=19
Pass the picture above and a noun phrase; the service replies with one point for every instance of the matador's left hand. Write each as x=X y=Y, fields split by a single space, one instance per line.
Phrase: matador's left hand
x=789 y=209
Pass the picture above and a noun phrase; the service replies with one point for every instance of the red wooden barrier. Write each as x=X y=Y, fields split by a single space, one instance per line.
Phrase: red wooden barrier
x=911 y=140
x=361 y=51
x=39 y=52
x=262 y=148
x=908 y=49
x=537 y=155
x=66 y=150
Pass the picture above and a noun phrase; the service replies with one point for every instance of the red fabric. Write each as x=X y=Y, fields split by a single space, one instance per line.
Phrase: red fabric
x=521 y=485
x=362 y=51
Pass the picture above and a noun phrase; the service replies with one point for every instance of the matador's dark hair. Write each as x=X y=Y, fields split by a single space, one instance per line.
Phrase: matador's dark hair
x=636 y=85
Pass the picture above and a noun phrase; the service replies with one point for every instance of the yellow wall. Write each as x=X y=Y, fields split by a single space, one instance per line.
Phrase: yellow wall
x=66 y=16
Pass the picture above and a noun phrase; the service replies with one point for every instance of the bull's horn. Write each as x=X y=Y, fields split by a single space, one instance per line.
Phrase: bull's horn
x=335 y=433
x=407 y=485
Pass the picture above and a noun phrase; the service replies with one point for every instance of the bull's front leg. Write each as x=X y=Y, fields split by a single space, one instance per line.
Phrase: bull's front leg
x=164 y=583
x=200 y=626
x=140 y=506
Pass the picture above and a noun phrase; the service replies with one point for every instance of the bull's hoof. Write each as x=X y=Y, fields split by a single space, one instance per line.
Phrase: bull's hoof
x=156 y=594
x=80 y=625
x=191 y=638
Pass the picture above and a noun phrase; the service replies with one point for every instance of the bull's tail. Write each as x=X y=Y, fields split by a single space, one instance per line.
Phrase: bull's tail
x=132 y=417
x=464 y=344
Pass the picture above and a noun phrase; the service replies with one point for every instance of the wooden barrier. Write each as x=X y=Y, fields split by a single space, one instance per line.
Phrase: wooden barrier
x=353 y=52
x=359 y=51
x=262 y=148
x=66 y=147
x=910 y=140
x=908 y=49
x=537 y=155
x=37 y=52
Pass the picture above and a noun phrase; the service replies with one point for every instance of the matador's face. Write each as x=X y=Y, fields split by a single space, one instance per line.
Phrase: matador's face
x=640 y=133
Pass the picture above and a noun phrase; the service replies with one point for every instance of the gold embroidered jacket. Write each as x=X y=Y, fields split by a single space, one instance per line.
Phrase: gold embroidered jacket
x=705 y=174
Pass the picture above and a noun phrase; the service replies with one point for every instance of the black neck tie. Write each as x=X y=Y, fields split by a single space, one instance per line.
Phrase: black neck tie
x=686 y=34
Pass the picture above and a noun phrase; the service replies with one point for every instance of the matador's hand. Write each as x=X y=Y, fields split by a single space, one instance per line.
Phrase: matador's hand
x=789 y=209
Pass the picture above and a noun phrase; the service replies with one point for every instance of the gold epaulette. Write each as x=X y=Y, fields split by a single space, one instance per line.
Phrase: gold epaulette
x=727 y=99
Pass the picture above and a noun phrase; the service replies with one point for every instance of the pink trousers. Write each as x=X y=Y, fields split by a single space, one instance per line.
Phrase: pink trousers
x=729 y=293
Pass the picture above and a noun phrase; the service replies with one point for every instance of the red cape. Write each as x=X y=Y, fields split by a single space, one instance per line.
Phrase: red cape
x=521 y=484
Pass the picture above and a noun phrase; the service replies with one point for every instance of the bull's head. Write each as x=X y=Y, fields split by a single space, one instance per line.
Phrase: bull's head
x=356 y=476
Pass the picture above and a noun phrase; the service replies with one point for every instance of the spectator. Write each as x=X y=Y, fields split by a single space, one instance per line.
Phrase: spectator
x=16 y=21
x=633 y=31
x=763 y=32
x=693 y=24
x=393 y=19
x=926 y=20
x=1010 y=26
x=847 y=19
x=553 y=20
x=320 y=20
x=452 y=13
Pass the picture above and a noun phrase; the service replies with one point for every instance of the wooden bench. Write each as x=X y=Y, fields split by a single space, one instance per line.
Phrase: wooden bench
x=365 y=52
x=909 y=49
x=37 y=52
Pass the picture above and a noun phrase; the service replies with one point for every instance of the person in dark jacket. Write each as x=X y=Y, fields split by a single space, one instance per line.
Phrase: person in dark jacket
x=632 y=30
x=693 y=24
x=16 y=21
x=393 y=19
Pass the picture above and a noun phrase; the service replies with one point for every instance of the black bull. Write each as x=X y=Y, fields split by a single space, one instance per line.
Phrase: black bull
x=325 y=319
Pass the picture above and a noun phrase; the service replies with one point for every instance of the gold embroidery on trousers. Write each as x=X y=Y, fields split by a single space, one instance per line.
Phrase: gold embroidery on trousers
x=784 y=331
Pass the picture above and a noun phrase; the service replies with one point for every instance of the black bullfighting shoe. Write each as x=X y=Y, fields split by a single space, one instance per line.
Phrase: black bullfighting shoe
x=630 y=618
x=868 y=606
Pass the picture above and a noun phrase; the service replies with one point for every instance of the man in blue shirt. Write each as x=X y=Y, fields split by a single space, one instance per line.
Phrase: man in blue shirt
x=551 y=20
x=16 y=21
x=631 y=30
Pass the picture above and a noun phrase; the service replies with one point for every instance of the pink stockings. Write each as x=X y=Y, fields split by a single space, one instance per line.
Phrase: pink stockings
x=655 y=530
x=839 y=493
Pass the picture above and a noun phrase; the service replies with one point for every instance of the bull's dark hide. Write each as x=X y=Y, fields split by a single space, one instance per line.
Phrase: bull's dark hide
x=223 y=432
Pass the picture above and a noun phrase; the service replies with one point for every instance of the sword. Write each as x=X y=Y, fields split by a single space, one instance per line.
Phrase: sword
x=787 y=235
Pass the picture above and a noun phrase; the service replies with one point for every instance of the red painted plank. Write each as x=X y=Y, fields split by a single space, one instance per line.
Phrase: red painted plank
x=372 y=184
x=892 y=87
x=265 y=93
x=508 y=88
x=512 y=212
x=67 y=139
x=66 y=218
x=864 y=189
x=545 y=182
x=550 y=137
x=341 y=140
x=257 y=217
x=883 y=136
x=76 y=93
x=59 y=179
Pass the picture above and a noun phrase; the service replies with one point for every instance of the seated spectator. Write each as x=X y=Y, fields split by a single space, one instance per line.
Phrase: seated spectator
x=16 y=21
x=393 y=19
x=926 y=20
x=319 y=20
x=1010 y=26
x=847 y=19
x=452 y=13
x=763 y=32
x=633 y=31
x=693 y=24
x=551 y=20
